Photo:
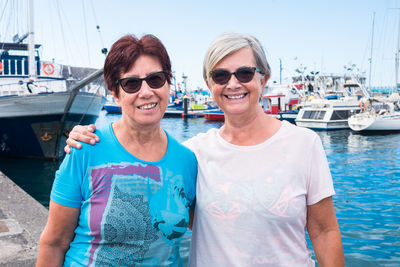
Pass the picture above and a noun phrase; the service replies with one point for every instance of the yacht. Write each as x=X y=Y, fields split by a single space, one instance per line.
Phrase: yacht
x=332 y=110
x=378 y=115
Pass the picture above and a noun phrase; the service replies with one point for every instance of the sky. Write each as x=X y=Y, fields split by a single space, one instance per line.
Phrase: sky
x=321 y=35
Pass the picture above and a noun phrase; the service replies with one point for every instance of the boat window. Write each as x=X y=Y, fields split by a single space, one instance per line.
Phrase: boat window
x=340 y=115
x=321 y=115
x=19 y=67
x=6 y=67
x=12 y=67
x=314 y=115
x=307 y=114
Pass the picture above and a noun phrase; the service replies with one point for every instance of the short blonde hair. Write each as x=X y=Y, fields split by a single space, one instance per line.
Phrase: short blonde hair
x=228 y=43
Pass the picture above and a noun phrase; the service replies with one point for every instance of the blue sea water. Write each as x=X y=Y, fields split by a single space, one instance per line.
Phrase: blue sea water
x=366 y=174
x=365 y=171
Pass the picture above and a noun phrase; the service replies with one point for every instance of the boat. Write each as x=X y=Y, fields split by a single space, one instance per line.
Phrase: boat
x=378 y=115
x=38 y=104
x=332 y=109
x=189 y=104
x=282 y=101
x=214 y=115
x=193 y=111
x=111 y=107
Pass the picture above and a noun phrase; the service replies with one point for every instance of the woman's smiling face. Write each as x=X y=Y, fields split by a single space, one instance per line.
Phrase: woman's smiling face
x=147 y=106
x=235 y=97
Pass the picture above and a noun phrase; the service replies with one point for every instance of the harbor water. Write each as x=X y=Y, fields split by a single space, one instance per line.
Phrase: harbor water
x=366 y=175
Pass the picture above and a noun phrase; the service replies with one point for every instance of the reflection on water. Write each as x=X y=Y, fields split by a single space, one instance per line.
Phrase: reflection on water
x=366 y=174
x=187 y=128
x=365 y=170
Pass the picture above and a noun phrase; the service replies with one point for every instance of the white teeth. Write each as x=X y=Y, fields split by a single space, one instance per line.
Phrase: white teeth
x=235 y=96
x=148 y=106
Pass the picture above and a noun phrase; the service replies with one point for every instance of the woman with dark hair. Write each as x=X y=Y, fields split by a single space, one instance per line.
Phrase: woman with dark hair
x=126 y=201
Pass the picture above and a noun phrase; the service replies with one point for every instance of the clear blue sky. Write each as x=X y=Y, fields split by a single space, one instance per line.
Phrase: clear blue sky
x=323 y=35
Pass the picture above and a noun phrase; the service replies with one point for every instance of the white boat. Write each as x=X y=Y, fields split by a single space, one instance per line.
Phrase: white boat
x=38 y=105
x=380 y=116
x=383 y=113
x=332 y=111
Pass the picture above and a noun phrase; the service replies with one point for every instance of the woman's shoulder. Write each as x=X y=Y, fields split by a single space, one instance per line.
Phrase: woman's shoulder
x=298 y=133
x=105 y=131
x=201 y=138
x=175 y=145
x=105 y=134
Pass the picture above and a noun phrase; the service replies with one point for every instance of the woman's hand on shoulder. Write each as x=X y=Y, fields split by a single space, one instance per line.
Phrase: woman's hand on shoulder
x=83 y=133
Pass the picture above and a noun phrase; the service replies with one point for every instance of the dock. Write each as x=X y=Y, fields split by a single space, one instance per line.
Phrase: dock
x=22 y=220
x=171 y=112
x=191 y=113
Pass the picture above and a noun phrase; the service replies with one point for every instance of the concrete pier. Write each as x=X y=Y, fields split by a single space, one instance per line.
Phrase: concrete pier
x=22 y=220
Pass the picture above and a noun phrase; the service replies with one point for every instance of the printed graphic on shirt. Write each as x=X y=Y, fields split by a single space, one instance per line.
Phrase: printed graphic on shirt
x=133 y=206
x=173 y=211
x=128 y=229
x=232 y=204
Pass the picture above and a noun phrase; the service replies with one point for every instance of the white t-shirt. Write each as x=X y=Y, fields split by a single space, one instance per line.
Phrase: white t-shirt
x=251 y=203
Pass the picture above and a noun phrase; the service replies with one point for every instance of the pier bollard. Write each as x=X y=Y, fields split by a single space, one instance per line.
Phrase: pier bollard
x=185 y=106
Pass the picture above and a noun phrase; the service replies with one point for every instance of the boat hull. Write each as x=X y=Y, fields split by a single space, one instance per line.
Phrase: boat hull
x=364 y=123
x=327 y=117
x=112 y=108
x=216 y=115
x=288 y=116
x=191 y=113
x=324 y=125
x=30 y=125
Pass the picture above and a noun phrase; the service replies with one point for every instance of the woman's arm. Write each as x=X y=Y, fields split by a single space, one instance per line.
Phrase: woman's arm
x=57 y=235
x=324 y=233
x=83 y=133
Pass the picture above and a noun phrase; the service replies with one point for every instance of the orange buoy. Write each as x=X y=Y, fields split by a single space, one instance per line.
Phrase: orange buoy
x=48 y=68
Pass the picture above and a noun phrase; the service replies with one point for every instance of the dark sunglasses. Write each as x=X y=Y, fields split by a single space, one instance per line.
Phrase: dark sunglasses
x=132 y=85
x=243 y=74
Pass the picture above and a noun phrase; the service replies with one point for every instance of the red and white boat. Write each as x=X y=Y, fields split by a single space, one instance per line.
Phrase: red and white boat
x=281 y=100
x=214 y=115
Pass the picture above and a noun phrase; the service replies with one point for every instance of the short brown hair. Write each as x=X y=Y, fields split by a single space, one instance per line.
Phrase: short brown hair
x=126 y=51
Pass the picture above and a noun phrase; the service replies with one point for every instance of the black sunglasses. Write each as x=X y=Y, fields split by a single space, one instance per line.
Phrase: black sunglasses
x=243 y=74
x=132 y=85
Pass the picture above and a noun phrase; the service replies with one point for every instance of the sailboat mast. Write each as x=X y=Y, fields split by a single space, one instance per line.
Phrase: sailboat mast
x=31 y=43
x=370 y=59
x=396 y=67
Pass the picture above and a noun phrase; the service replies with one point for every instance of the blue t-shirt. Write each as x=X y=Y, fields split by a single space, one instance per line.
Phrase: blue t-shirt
x=133 y=212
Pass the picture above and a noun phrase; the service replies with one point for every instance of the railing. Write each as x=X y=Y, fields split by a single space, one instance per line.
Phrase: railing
x=18 y=66
x=12 y=67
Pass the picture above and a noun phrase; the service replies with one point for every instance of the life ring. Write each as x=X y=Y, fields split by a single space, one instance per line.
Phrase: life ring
x=48 y=68
x=1 y=67
x=363 y=106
